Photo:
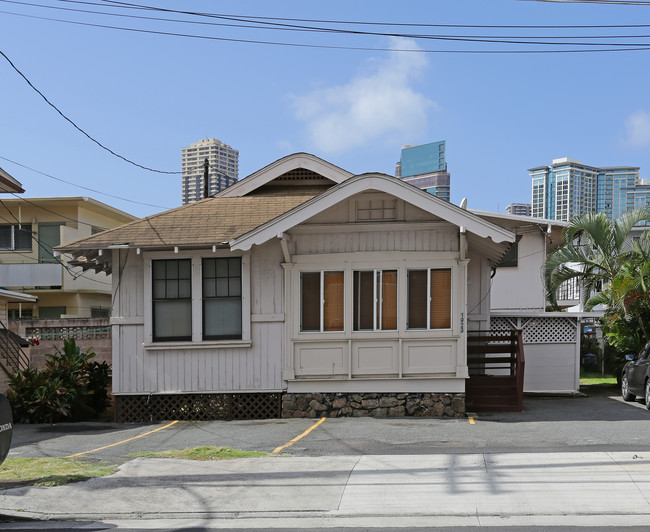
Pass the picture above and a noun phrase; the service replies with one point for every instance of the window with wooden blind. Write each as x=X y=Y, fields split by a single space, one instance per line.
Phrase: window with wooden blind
x=321 y=301
x=375 y=300
x=429 y=299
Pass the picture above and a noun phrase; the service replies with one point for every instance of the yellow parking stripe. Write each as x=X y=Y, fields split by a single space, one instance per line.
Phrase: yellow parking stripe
x=124 y=441
x=278 y=449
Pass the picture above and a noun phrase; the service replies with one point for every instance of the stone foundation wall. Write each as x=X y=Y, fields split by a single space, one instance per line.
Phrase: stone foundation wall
x=373 y=405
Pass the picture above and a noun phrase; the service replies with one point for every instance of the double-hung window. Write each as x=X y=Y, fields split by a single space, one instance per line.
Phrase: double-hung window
x=222 y=301
x=172 y=300
x=321 y=301
x=16 y=237
x=375 y=300
x=429 y=299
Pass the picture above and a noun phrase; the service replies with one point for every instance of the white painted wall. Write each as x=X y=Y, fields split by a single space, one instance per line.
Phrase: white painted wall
x=141 y=367
x=522 y=287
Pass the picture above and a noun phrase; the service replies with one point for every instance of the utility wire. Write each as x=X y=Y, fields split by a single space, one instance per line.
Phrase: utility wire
x=622 y=47
x=283 y=27
x=44 y=248
x=610 y=2
x=81 y=186
x=360 y=22
x=76 y=126
x=56 y=213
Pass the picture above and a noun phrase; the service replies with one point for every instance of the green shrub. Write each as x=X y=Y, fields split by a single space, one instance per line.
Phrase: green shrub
x=69 y=388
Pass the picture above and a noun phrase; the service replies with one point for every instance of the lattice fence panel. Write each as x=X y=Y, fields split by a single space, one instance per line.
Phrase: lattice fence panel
x=502 y=323
x=197 y=407
x=549 y=330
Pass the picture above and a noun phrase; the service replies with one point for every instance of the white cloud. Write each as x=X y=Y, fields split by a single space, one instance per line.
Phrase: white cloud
x=372 y=105
x=637 y=128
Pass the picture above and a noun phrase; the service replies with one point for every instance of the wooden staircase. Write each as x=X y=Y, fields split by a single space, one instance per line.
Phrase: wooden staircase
x=496 y=371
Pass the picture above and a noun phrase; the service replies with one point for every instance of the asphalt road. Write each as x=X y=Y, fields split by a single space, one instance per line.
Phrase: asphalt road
x=599 y=422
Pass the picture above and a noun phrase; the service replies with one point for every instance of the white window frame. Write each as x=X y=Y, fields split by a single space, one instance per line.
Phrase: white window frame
x=322 y=300
x=364 y=261
x=197 y=341
x=378 y=297
x=428 y=298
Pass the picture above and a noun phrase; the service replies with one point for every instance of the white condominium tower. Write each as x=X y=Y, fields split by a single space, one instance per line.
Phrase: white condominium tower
x=223 y=169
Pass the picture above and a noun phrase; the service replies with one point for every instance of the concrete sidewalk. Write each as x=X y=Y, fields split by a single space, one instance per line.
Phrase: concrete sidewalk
x=604 y=489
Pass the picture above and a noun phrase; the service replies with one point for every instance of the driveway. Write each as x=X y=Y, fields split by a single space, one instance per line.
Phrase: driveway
x=601 y=421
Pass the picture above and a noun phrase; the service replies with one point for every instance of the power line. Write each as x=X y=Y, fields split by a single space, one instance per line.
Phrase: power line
x=83 y=187
x=498 y=39
x=610 y=2
x=362 y=22
x=76 y=126
x=623 y=47
x=255 y=24
x=56 y=213
x=44 y=248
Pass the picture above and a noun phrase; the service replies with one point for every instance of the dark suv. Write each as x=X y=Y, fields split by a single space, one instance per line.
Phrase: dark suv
x=635 y=379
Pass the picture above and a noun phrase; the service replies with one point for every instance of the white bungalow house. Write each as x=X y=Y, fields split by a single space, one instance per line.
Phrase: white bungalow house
x=301 y=285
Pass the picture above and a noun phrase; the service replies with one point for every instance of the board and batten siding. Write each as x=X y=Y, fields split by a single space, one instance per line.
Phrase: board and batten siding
x=139 y=367
x=377 y=237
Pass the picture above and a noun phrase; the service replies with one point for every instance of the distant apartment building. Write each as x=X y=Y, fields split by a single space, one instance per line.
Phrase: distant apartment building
x=567 y=188
x=30 y=228
x=518 y=209
x=223 y=168
x=425 y=166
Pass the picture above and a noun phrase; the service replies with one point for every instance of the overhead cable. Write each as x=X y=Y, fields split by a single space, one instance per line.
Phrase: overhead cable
x=76 y=126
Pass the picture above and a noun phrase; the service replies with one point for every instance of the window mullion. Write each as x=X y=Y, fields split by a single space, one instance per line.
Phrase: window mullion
x=322 y=300
x=374 y=296
x=428 y=298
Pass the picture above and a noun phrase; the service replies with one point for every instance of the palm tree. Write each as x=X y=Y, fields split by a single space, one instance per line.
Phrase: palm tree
x=627 y=299
x=594 y=251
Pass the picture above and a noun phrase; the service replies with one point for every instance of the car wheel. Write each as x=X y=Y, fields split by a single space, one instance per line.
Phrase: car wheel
x=647 y=394
x=625 y=390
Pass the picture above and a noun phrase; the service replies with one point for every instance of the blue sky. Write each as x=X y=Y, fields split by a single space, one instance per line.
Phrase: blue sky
x=145 y=95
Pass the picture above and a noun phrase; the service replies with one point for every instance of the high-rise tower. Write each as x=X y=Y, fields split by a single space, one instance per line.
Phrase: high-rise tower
x=425 y=166
x=568 y=187
x=223 y=168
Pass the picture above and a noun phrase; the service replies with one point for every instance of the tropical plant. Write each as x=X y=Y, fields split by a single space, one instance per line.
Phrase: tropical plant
x=613 y=270
x=36 y=397
x=70 y=387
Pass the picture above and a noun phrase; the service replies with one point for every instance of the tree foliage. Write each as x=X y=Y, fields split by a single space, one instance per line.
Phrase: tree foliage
x=613 y=270
x=69 y=388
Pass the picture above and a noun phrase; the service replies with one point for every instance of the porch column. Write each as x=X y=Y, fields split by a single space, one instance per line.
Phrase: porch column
x=461 y=359
x=288 y=371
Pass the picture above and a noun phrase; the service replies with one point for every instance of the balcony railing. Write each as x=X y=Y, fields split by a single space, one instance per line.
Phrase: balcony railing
x=32 y=275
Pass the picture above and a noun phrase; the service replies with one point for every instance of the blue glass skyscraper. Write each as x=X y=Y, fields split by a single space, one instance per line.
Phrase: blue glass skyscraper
x=425 y=166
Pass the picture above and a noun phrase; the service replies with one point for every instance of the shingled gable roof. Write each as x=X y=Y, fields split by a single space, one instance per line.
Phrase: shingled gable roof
x=374 y=182
x=216 y=220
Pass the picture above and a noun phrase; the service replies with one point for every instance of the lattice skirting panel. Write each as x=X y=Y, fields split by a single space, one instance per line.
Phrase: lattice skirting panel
x=197 y=407
x=538 y=329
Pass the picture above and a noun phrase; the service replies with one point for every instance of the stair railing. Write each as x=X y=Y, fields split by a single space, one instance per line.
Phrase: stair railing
x=11 y=352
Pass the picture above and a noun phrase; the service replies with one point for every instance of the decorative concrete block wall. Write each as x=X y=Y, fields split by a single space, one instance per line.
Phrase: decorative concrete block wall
x=89 y=333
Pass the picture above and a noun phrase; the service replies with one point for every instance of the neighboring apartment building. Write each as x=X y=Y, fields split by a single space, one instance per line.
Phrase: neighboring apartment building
x=29 y=229
x=223 y=168
x=425 y=166
x=568 y=188
x=518 y=209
